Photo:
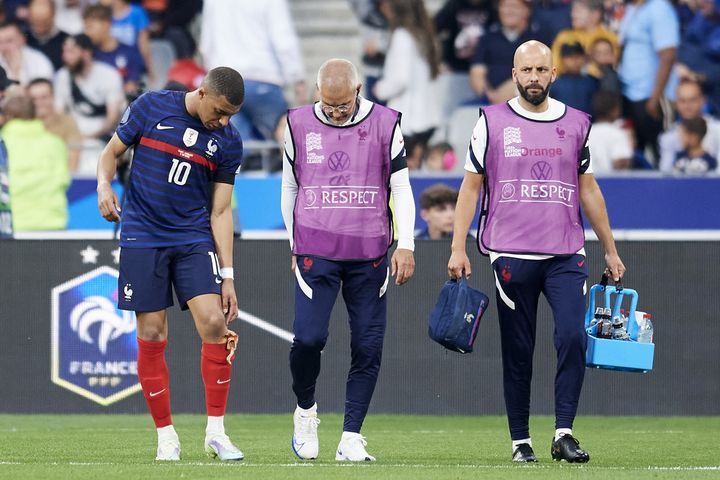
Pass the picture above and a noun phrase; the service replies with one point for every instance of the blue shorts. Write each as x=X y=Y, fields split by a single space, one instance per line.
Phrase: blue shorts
x=147 y=276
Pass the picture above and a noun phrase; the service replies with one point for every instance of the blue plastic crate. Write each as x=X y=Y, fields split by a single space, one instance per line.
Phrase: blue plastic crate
x=622 y=355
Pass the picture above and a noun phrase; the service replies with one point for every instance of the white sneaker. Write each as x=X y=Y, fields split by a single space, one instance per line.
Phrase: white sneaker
x=219 y=446
x=305 y=438
x=168 y=450
x=352 y=448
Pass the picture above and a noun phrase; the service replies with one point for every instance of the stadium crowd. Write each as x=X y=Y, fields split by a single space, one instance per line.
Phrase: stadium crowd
x=647 y=70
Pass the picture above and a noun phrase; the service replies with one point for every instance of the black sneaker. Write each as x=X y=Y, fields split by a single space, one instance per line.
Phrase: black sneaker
x=523 y=453
x=568 y=448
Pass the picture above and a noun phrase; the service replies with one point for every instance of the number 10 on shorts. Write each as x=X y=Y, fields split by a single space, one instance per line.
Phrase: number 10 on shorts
x=215 y=263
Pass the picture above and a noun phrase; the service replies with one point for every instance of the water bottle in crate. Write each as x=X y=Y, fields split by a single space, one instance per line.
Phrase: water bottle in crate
x=624 y=352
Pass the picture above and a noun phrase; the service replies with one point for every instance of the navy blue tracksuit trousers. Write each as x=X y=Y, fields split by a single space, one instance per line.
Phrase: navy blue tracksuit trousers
x=519 y=284
x=363 y=288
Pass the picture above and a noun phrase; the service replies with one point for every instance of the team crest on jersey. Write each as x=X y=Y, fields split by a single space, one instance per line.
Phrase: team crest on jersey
x=93 y=348
x=190 y=137
x=212 y=147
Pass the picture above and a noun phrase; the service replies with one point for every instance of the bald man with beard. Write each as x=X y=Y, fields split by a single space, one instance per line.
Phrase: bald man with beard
x=344 y=156
x=532 y=156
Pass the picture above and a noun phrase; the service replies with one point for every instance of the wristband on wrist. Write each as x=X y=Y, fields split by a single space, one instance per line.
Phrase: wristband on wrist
x=227 y=272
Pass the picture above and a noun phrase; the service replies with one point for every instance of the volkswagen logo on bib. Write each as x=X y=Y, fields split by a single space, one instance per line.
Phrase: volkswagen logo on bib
x=339 y=161
x=541 y=171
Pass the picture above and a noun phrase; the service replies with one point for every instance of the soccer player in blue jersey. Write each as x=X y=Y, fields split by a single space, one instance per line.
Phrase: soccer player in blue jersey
x=177 y=231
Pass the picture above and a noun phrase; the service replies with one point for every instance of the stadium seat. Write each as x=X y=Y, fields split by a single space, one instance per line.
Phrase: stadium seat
x=460 y=129
x=163 y=56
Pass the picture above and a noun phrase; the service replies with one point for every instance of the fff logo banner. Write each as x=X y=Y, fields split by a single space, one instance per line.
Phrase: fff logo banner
x=94 y=350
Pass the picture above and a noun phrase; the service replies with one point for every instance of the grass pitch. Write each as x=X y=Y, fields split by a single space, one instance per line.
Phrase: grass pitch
x=103 y=447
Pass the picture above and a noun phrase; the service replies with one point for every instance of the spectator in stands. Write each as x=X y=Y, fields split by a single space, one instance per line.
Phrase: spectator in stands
x=553 y=15
x=440 y=158
x=43 y=35
x=490 y=72
x=610 y=145
x=88 y=90
x=6 y=230
x=699 y=52
x=126 y=59
x=693 y=159
x=271 y=58
x=16 y=10
x=411 y=66
x=170 y=20
x=38 y=169
x=375 y=33
x=650 y=36
x=603 y=65
x=21 y=62
x=68 y=15
x=587 y=28
x=460 y=24
x=61 y=124
x=130 y=25
x=437 y=208
x=573 y=87
x=689 y=104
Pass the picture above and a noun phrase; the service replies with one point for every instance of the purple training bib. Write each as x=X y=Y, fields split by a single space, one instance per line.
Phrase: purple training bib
x=343 y=176
x=532 y=176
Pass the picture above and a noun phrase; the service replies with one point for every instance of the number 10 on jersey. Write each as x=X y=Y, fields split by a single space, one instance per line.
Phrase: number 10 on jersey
x=179 y=172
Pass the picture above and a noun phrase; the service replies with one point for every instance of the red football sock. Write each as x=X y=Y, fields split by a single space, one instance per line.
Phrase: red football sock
x=155 y=380
x=216 y=373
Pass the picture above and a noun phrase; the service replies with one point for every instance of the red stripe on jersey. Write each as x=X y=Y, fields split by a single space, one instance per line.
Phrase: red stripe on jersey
x=179 y=152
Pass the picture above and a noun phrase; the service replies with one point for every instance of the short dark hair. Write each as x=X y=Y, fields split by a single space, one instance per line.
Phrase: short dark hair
x=12 y=24
x=82 y=41
x=226 y=82
x=603 y=103
x=40 y=81
x=695 y=126
x=438 y=195
x=570 y=49
x=98 y=12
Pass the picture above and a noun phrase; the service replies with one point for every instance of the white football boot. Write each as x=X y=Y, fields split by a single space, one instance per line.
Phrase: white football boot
x=219 y=446
x=352 y=448
x=168 y=449
x=305 y=438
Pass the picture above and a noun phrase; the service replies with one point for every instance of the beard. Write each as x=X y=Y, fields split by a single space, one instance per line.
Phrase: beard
x=78 y=68
x=534 y=99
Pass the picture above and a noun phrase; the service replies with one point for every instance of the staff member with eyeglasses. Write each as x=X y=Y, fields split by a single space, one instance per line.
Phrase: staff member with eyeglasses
x=343 y=157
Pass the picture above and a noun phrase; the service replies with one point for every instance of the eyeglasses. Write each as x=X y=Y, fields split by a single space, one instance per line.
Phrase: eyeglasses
x=341 y=109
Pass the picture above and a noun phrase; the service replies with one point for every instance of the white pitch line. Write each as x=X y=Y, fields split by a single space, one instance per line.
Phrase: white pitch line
x=419 y=466
x=267 y=326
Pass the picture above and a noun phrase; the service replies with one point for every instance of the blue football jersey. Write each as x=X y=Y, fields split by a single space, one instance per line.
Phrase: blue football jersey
x=175 y=162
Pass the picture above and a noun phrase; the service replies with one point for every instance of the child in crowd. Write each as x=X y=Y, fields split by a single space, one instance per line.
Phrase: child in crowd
x=437 y=208
x=610 y=146
x=603 y=64
x=693 y=159
x=130 y=26
x=573 y=87
x=440 y=158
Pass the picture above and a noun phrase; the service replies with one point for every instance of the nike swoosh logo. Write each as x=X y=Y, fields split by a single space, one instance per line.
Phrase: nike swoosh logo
x=155 y=394
x=220 y=382
x=160 y=126
x=581 y=263
x=377 y=264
